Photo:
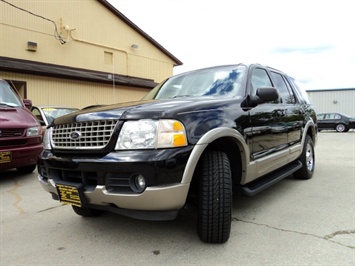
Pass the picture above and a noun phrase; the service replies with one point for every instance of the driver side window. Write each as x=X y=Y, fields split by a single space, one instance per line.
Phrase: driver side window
x=259 y=78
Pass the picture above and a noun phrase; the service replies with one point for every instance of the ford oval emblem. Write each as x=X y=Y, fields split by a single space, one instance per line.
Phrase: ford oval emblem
x=75 y=135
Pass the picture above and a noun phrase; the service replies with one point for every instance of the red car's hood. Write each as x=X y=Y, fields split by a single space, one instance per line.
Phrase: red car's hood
x=11 y=117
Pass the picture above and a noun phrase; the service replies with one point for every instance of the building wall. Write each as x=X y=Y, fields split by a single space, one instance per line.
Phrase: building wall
x=340 y=101
x=73 y=93
x=95 y=38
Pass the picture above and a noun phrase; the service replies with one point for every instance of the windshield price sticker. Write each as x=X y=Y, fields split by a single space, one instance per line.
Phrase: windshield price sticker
x=69 y=195
x=5 y=156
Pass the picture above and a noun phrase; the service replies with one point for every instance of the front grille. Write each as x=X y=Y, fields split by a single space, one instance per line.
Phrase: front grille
x=13 y=142
x=83 y=135
x=11 y=132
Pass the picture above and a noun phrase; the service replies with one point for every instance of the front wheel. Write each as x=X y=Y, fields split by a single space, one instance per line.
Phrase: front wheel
x=215 y=198
x=340 y=128
x=307 y=159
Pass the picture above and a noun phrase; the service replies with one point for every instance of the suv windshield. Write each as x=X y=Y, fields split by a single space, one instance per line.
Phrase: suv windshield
x=221 y=81
x=8 y=96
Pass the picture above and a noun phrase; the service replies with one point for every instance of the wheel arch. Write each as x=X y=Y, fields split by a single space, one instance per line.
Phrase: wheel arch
x=311 y=130
x=226 y=140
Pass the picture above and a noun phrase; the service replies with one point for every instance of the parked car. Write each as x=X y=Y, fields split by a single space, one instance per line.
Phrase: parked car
x=337 y=121
x=196 y=138
x=20 y=132
x=47 y=113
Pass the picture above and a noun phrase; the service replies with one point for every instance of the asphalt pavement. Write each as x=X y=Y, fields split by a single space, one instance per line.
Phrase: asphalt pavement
x=295 y=222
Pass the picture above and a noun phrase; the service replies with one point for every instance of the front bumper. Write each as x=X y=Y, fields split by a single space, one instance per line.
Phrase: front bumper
x=22 y=156
x=106 y=180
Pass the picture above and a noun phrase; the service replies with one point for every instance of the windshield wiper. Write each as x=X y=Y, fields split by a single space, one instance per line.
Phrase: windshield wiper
x=7 y=105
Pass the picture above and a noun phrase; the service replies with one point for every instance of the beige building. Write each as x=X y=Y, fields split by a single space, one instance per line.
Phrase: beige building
x=78 y=53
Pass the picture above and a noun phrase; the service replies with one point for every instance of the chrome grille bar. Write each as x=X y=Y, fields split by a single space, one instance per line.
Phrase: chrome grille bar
x=83 y=135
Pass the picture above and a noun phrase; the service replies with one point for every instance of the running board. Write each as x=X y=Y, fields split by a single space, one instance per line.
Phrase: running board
x=270 y=179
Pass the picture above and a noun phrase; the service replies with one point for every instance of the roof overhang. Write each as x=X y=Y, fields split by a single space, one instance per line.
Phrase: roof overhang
x=49 y=70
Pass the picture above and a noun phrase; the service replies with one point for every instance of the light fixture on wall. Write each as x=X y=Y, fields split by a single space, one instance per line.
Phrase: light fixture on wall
x=335 y=101
x=135 y=46
x=31 y=46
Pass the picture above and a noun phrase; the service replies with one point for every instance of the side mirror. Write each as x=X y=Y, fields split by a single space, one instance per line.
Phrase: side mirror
x=27 y=103
x=263 y=95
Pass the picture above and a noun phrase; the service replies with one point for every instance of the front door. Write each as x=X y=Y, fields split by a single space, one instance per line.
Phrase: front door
x=268 y=129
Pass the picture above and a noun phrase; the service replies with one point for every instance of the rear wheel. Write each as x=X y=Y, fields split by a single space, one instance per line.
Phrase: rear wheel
x=215 y=198
x=86 y=212
x=307 y=159
x=340 y=128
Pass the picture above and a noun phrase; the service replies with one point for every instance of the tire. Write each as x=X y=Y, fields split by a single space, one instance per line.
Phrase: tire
x=215 y=198
x=340 y=128
x=307 y=159
x=86 y=212
x=26 y=169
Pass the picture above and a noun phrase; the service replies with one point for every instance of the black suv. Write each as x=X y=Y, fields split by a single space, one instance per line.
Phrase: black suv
x=197 y=137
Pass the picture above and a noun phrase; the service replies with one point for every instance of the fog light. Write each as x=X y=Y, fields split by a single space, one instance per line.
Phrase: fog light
x=138 y=183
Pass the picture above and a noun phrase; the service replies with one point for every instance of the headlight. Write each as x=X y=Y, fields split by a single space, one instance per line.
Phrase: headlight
x=33 y=131
x=151 y=134
x=47 y=139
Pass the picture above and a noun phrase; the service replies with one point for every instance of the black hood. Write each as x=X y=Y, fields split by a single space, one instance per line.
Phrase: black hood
x=152 y=109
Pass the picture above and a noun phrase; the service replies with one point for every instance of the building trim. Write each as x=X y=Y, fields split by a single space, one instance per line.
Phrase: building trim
x=49 y=70
x=140 y=31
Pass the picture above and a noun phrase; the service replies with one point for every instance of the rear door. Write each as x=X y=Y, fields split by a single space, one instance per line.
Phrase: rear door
x=293 y=118
x=330 y=120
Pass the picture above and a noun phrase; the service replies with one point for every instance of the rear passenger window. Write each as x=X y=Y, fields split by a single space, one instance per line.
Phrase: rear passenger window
x=285 y=93
x=301 y=93
x=332 y=116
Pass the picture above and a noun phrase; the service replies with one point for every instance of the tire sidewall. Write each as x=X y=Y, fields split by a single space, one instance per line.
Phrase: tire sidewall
x=304 y=172
x=340 y=128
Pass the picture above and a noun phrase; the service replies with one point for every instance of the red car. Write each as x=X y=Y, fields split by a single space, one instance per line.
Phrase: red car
x=20 y=132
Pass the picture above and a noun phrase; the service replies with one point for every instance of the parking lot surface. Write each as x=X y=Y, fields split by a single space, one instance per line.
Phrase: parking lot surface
x=295 y=222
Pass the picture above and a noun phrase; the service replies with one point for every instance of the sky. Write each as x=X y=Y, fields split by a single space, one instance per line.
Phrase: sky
x=311 y=40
